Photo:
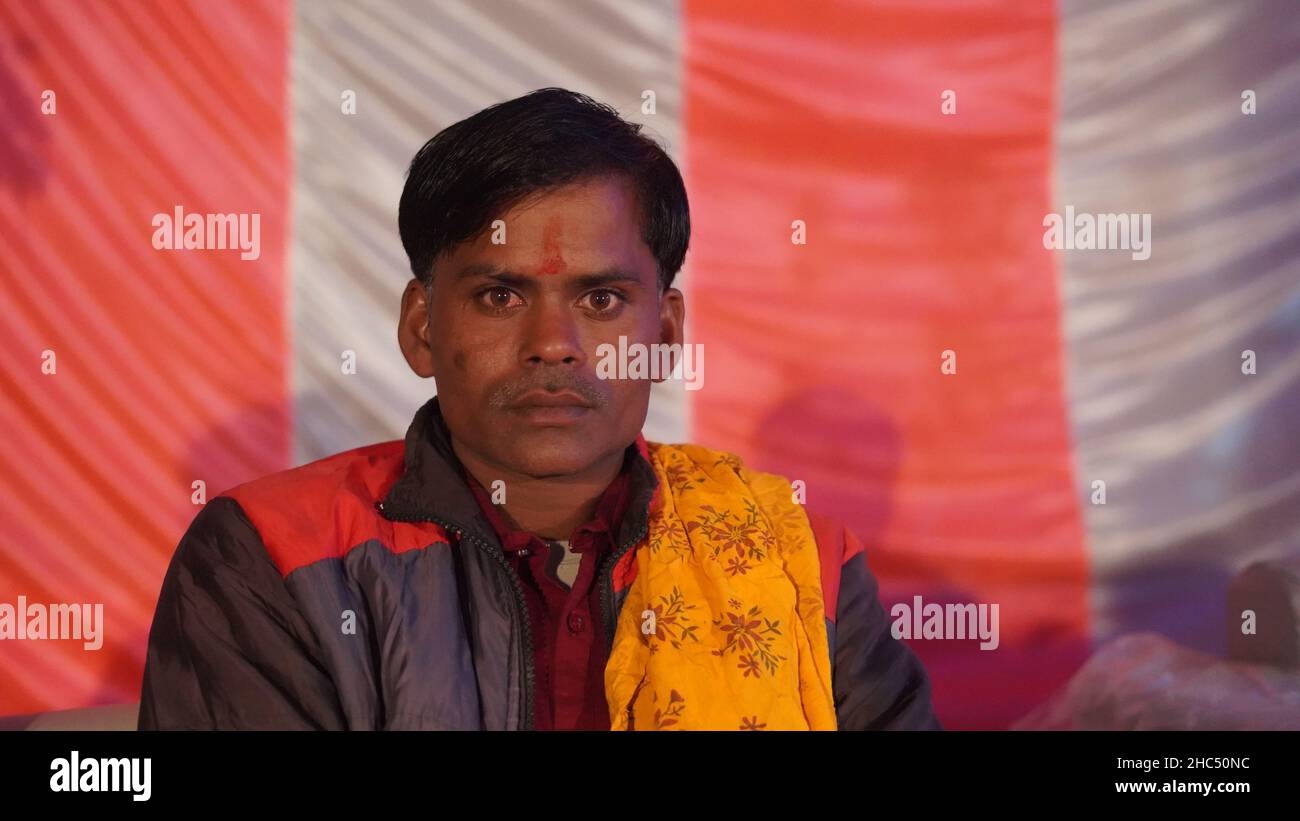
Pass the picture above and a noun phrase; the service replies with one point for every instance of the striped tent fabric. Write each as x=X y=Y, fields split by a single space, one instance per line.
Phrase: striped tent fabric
x=1069 y=434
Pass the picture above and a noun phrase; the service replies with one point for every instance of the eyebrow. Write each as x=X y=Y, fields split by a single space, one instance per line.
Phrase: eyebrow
x=609 y=276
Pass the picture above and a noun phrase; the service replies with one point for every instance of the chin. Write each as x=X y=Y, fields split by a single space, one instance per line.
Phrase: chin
x=546 y=454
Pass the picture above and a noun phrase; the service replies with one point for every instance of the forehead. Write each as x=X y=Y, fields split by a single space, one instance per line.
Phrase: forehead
x=579 y=228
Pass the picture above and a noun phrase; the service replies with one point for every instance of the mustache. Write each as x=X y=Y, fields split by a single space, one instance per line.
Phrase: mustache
x=505 y=395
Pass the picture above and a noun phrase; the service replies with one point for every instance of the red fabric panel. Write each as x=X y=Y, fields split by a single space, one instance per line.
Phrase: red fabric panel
x=835 y=546
x=171 y=365
x=324 y=509
x=923 y=235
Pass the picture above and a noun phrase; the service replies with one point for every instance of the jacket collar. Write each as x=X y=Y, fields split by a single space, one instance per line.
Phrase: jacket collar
x=431 y=487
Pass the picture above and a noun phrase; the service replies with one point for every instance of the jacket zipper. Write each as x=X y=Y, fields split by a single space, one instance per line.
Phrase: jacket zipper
x=520 y=603
x=607 y=587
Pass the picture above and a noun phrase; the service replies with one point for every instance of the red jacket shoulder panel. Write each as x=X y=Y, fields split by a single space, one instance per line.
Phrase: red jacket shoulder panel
x=325 y=508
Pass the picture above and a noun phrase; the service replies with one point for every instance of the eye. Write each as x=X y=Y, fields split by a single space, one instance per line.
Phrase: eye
x=498 y=298
x=604 y=300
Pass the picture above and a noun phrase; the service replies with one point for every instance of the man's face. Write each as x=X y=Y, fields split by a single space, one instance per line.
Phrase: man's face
x=510 y=330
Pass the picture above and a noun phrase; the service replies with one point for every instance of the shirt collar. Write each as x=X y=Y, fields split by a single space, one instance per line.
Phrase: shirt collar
x=605 y=519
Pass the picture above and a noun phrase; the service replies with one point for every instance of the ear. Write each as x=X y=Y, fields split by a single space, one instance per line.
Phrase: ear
x=413 y=329
x=672 y=319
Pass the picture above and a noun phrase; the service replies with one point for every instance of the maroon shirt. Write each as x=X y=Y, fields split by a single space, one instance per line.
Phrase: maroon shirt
x=568 y=637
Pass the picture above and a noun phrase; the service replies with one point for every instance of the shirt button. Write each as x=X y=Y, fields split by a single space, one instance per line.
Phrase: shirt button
x=577 y=622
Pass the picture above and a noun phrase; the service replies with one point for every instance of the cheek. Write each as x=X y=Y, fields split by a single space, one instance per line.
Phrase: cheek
x=471 y=364
x=631 y=396
x=470 y=361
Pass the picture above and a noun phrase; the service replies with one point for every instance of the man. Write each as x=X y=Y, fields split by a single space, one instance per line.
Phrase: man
x=525 y=559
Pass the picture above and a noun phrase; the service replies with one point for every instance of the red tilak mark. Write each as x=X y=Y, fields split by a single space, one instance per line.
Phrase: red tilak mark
x=553 y=260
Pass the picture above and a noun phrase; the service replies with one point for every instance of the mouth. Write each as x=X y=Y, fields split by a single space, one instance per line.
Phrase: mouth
x=551 y=409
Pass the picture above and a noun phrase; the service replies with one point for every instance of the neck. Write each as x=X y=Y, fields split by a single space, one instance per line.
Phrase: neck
x=553 y=506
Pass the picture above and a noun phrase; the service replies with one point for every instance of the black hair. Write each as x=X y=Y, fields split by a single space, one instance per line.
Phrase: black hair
x=473 y=170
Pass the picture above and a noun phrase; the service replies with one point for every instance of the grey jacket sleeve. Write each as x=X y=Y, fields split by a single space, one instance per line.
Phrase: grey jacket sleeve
x=878 y=682
x=228 y=648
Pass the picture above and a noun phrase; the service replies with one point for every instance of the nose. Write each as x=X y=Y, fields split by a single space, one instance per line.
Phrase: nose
x=552 y=336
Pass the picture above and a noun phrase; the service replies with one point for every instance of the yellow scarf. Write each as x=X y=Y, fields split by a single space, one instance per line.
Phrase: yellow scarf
x=723 y=627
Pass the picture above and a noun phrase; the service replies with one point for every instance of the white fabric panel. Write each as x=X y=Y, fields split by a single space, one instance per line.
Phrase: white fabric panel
x=1201 y=462
x=417 y=67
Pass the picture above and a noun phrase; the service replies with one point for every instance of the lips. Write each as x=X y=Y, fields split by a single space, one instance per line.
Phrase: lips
x=545 y=399
x=545 y=409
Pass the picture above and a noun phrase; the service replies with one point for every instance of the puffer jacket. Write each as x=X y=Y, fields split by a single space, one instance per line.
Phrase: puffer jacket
x=367 y=591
